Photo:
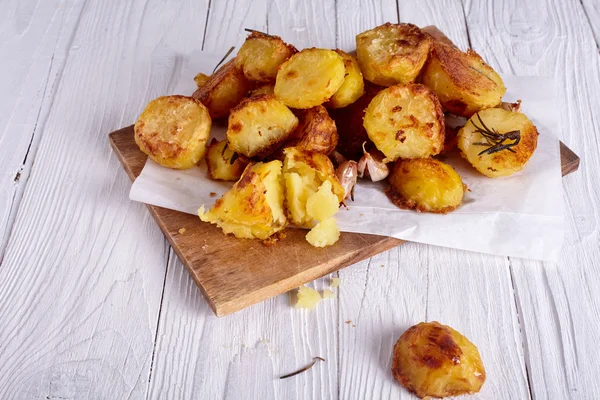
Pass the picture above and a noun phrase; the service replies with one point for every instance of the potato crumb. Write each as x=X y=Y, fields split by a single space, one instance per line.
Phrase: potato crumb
x=382 y=265
x=182 y=231
x=213 y=194
x=325 y=233
x=328 y=294
x=335 y=282
x=348 y=322
x=274 y=239
x=307 y=297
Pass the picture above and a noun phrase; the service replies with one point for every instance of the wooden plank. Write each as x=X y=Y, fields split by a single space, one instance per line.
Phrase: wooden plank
x=558 y=304
x=36 y=40
x=83 y=272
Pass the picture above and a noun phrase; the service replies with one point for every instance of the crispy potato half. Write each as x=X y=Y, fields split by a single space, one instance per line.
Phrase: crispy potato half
x=309 y=78
x=463 y=82
x=258 y=125
x=316 y=131
x=201 y=79
x=349 y=122
x=313 y=192
x=253 y=207
x=223 y=90
x=261 y=55
x=173 y=131
x=353 y=86
x=405 y=121
x=223 y=164
x=479 y=147
x=431 y=359
x=425 y=185
x=392 y=53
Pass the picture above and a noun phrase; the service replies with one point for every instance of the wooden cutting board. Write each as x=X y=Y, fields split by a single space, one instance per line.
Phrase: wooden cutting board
x=236 y=273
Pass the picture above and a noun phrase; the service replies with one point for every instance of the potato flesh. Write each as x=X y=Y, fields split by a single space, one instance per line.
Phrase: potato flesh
x=316 y=131
x=223 y=90
x=309 y=78
x=307 y=297
x=502 y=163
x=325 y=233
x=218 y=161
x=353 y=86
x=392 y=54
x=323 y=203
x=405 y=121
x=173 y=131
x=426 y=185
x=431 y=359
x=258 y=125
x=266 y=88
x=253 y=207
x=261 y=55
x=463 y=82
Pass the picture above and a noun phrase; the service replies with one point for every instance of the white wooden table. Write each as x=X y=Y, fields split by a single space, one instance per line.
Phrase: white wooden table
x=93 y=304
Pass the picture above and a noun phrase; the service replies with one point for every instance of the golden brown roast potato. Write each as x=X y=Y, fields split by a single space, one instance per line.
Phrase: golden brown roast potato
x=353 y=86
x=498 y=142
x=313 y=192
x=392 y=53
x=316 y=131
x=261 y=55
x=201 y=79
x=431 y=359
x=265 y=88
x=463 y=82
x=223 y=164
x=253 y=207
x=349 y=122
x=425 y=185
x=406 y=121
x=223 y=90
x=309 y=78
x=173 y=131
x=258 y=125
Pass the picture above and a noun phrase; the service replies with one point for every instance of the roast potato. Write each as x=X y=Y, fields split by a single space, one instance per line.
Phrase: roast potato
x=392 y=53
x=173 y=131
x=309 y=78
x=313 y=192
x=201 y=79
x=223 y=90
x=353 y=86
x=265 y=88
x=258 y=125
x=223 y=164
x=253 y=207
x=431 y=359
x=405 y=121
x=261 y=55
x=425 y=185
x=463 y=82
x=511 y=125
x=316 y=131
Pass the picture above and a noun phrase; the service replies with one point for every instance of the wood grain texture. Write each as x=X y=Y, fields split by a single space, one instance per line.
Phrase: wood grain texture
x=37 y=37
x=558 y=304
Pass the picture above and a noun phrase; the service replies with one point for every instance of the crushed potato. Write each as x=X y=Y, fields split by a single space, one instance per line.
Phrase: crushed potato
x=335 y=282
x=323 y=203
x=328 y=294
x=325 y=233
x=307 y=297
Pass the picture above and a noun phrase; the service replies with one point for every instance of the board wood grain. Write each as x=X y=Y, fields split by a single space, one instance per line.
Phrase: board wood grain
x=236 y=273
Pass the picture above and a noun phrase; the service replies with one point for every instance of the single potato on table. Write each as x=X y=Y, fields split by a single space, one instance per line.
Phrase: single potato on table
x=425 y=185
x=258 y=125
x=463 y=82
x=431 y=359
x=392 y=54
x=223 y=164
x=316 y=131
x=498 y=142
x=173 y=131
x=309 y=78
x=223 y=90
x=261 y=55
x=405 y=121
x=253 y=207
x=353 y=86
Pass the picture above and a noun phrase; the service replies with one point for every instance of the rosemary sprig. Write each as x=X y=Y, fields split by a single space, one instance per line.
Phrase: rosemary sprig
x=495 y=140
x=233 y=158
x=309 y=366
x=223 y=59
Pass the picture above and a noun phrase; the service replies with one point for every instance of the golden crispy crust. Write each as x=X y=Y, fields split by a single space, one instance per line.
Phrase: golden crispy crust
x=316 y=131
x=261 y=55
x=261 y=35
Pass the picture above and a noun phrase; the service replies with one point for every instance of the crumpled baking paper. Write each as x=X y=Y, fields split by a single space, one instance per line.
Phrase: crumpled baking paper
x=519 y=216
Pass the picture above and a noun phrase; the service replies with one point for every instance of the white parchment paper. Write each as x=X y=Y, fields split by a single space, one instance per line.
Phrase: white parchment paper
x=519 y=216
